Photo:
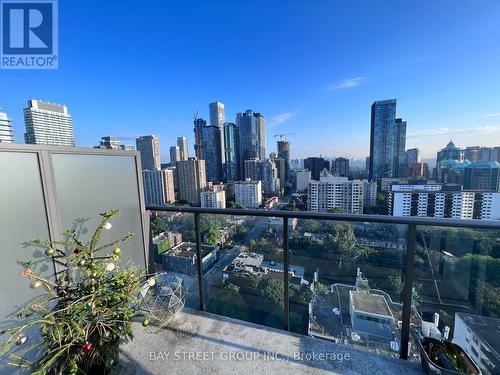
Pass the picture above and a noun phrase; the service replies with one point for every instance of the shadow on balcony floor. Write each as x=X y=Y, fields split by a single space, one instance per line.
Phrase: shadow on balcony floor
x=196 y=342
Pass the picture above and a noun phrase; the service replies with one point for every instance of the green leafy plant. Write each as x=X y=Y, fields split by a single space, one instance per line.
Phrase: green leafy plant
x=84 y=314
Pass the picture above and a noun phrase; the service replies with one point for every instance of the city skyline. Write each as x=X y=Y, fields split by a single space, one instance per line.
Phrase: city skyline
x=323 y=87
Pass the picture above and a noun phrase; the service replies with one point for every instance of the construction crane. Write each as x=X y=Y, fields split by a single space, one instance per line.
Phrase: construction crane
x=282 y=135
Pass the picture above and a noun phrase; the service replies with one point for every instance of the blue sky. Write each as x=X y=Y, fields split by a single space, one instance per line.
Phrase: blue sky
x=312 y=67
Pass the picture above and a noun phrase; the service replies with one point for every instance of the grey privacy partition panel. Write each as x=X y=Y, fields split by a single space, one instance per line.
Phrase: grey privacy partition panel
x=86 y=185
x=23 y=217
x=46 y=189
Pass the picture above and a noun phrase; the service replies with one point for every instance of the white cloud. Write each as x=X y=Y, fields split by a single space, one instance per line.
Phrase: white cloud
x=281 y=118
x=492 y=115
x=451 y=131
x=347 y=83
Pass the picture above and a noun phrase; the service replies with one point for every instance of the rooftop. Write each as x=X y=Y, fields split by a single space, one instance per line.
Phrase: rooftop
x=248 y=260
x=487 y=328
x=369 y=303
x=196 y=342
x=276 y=266
x=188 y=250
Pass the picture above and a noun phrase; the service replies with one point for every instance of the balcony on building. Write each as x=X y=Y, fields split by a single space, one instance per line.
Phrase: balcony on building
x=273 y=291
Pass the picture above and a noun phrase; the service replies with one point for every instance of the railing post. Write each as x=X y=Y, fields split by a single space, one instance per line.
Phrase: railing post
x=151 y=259
x=408 y=289
x=286 y=268
x=199 y=260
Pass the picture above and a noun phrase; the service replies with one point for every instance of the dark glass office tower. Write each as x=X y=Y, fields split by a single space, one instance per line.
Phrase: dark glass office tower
x=284 y=153
x=387 y=140
x=316 y=165
x=252 y=127
x=208 y=147
x=400 y=147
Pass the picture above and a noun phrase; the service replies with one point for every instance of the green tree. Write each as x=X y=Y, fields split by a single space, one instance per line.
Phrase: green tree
x=335 y=210
x=341 y=242
x=212 y=235
x=240 y=233
x=394 y=287
x=273 y=290
x=309 y=225
x=85 y=313
x=158 y=225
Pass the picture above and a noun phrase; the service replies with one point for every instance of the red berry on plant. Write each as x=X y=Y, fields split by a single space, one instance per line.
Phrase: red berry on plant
x=77 y=250
x=87 y=347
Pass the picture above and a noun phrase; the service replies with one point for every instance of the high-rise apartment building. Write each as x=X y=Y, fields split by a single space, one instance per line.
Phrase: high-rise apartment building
x=442 y=201
x=208 y=147
x=213 y=196
x=158 y=186
x=6 y=133
x=153 y=187
x=387 y=140
x=270 y=179
x=191 y=179
x=169 y=185
x=252 y=126
x=284 y=153
x=340 y=167
x=182 y=143
x=149 y=148
x=48 y=124
x=281 y=167
x=333 y=192
x=175 y=154
x=369 y=193
x=251 y=169
x=232 y=152
x=248 y=193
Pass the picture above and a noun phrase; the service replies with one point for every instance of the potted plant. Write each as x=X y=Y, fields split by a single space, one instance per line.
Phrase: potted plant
x=84 y=314
x=445 y=358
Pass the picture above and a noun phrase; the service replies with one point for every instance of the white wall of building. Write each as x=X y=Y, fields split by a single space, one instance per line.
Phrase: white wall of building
x=248 y=193
x=303 y=177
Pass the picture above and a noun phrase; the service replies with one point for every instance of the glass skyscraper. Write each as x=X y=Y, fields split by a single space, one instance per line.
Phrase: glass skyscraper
x=231 y=152
x=175 y=154
x=208 y=147
x=217 y=117
x=252 y=127
x=284 y=153
x=387 y=140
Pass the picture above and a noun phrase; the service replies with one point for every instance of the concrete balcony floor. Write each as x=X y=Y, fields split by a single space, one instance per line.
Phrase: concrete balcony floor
x=196 y=342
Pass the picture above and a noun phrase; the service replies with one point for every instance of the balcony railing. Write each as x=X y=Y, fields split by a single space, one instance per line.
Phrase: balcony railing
x=368 y=280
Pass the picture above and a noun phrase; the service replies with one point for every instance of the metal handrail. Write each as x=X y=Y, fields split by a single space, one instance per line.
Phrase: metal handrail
x=382 y=219
x=411 y=222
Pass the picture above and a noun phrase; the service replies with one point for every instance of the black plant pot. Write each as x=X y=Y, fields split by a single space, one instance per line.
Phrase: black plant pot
x=435 y=361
